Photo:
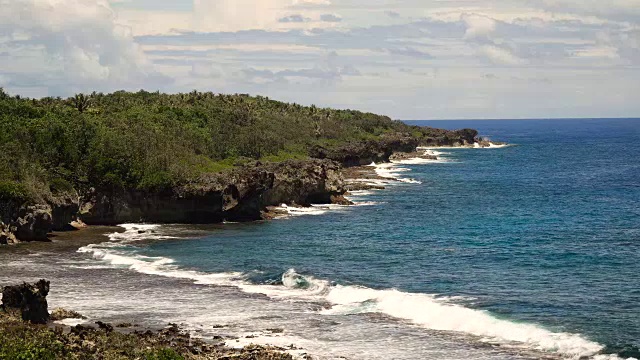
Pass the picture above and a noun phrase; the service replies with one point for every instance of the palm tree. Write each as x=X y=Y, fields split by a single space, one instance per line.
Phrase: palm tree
x=81 y=102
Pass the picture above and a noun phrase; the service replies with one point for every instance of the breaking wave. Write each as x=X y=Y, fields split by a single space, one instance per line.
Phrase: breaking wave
x=425 y=310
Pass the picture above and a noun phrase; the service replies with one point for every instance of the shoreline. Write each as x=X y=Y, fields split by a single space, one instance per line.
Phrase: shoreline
x=264 y=336
x=361 y=178
x=71 y=241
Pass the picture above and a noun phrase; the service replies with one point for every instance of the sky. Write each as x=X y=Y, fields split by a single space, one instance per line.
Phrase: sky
x=409 y=59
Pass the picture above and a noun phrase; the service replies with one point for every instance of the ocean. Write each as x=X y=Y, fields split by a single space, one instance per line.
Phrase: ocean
x=526 y=251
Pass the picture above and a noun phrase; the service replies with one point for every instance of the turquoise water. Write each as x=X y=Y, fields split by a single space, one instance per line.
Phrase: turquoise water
x=535 y=245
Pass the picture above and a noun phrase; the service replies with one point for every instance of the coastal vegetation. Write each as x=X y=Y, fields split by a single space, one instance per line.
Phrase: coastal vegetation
x=24 y=341
x=105 y=159
x=151 y=141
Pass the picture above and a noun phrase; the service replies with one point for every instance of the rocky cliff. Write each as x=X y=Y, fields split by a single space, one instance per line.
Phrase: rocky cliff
x=238 y=195
x=368 y=151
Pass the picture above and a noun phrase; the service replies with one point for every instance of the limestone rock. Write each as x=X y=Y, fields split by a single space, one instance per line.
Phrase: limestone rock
x=30 y=299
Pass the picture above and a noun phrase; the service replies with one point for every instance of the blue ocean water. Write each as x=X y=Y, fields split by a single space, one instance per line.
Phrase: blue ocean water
x=541 y=237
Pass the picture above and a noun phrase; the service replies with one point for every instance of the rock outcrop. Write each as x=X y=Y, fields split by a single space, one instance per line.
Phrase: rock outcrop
x=441 y=137
x=33 y=220
x=29 y=299
x=242 y=194
x=366 y=152
x=238 y=195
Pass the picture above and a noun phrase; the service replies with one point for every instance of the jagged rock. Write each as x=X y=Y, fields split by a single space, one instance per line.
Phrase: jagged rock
x=340 y=200
x=61 y=314
x=33 y=223
x=412 y=155
x=238 y=195
x=366 y=152
x=441 y=137
x=6 y=236
x=30 y=299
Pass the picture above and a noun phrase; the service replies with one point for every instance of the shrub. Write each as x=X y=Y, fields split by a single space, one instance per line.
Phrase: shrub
x=163 y=354
x=59 y=185
x=11 y=190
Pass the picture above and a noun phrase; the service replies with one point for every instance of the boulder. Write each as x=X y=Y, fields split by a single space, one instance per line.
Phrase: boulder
x=29 y=299
x=6 y=235
x=61 y=314
x=33 y=223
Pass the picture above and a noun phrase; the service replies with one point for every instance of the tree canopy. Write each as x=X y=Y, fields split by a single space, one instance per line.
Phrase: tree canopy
x=150 y=140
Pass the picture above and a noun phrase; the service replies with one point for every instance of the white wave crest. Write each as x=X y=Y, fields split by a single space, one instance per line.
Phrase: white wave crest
x=159 y=266
x=424 y=310
x=138 y=232
x=392 y=172
x=438 y=314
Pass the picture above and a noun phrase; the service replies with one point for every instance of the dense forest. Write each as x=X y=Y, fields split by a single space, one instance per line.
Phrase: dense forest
x=149 y=140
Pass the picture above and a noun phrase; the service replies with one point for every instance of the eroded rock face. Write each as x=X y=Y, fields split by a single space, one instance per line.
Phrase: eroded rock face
x=6 y=235
x=367 y=152
x=441 y=137
x=239 y=195
x=33 y=223
x=29 y=299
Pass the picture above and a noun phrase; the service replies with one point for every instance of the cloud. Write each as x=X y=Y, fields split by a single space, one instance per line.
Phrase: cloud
x=237 y=15
x=289 y=49
x=478 y=26
x=71 y=44
x=500 y=55
x=392 y=14
x=330 y=18
x=294 y=19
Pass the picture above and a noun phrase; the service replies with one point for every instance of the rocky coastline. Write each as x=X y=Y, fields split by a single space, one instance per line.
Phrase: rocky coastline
x=29 y=331
x=246 y=193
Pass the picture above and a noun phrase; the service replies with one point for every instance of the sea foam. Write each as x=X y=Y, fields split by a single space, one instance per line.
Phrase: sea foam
x=424 y=310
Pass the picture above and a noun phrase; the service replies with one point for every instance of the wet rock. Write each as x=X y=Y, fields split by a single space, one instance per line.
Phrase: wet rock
x=6 y=236
x=340 y=200
x=30 y=299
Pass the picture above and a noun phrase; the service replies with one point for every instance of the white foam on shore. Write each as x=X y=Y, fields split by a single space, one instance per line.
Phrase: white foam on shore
x=392 y=172
x=424 y=310
x=283 y=341
x=439 y=314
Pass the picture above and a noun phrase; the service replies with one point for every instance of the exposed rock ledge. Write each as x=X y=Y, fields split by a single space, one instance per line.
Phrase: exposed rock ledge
x=239 y=195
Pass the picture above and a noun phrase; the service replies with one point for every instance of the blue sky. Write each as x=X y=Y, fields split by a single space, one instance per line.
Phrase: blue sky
x=410 y=59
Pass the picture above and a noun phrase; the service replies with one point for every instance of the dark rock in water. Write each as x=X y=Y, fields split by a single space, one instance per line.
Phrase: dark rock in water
x=441 y=137
x=6 y=236
x=412 y=155
x=30 y=299
x=340 y=200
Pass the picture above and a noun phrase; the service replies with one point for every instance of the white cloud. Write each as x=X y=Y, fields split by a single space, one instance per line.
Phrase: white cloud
x=478 y=26
x=500 y=55
x=76 y=43
x=390 y=52
x=236 y=15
